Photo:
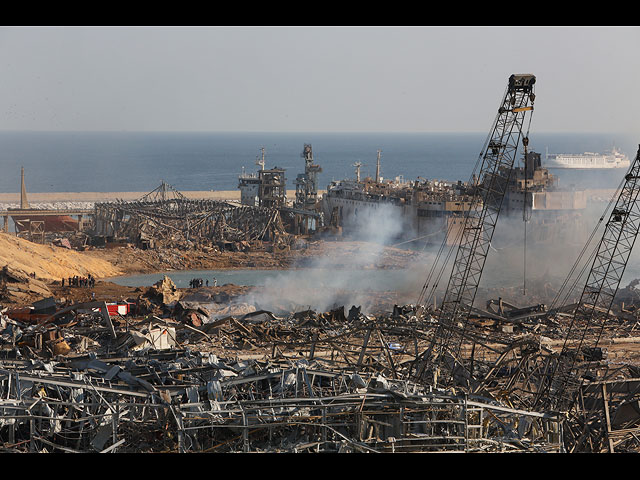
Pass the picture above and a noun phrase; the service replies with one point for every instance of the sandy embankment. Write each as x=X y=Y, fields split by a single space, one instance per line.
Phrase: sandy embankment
x=49 y=262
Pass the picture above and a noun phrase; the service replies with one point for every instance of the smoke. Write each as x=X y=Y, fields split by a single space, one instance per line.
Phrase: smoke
x=343 y=275
x=528 y=263
x=536 y=268
x=524 y=267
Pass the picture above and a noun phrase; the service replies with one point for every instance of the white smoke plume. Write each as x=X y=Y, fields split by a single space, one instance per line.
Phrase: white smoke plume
x=332 y=281
x=523 y=273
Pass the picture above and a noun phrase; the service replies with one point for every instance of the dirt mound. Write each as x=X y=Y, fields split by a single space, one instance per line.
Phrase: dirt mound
x=50 y=263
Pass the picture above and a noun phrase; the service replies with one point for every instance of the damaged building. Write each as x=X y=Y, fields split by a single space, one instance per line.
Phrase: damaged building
x=165 y=217
x=267 y=187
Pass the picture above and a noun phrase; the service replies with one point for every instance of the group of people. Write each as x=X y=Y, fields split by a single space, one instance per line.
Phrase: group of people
x=77 y=281
x=198 y=282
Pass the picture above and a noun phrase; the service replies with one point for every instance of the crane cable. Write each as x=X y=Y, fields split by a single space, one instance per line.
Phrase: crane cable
x=525 y=143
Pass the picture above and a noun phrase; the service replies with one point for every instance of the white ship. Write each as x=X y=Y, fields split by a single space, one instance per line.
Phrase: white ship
x=588 y=160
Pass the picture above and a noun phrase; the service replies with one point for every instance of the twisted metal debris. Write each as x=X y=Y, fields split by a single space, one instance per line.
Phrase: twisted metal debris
x=308 y=382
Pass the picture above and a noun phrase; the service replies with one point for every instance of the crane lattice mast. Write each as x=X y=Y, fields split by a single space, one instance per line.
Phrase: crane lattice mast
x=479 y=222
x=567 y=373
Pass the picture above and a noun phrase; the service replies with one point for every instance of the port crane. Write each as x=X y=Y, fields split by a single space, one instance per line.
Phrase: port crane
x=498 y=155
x=567 y=372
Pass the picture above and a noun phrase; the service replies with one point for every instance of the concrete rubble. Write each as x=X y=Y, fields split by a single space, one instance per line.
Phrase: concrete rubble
x=16 y=285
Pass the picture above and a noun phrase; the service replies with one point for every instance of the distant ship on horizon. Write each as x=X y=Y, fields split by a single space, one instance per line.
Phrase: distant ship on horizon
x=588 y=160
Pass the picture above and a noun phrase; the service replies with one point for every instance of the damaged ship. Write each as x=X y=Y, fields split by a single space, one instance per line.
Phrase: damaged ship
x=428 y=209
x=421 y=212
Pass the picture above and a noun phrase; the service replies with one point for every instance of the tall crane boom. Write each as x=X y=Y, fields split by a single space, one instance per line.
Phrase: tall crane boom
x=479 y=223
x=602 y=284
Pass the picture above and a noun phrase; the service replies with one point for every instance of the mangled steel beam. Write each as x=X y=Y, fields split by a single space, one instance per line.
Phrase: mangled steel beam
x=158 y=217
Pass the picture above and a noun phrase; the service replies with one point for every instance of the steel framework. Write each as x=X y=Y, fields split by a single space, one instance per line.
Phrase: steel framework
x=480 y=221
x=567 y=373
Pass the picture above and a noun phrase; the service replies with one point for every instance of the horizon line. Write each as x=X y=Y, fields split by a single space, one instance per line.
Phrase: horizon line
x=315 y=132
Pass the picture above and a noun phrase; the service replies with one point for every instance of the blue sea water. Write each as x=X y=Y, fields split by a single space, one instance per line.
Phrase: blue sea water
x=139 y=161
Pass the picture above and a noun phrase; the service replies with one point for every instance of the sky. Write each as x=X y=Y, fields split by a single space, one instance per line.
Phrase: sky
x=314 y=78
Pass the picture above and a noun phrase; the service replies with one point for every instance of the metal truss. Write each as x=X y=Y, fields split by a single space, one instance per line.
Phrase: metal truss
x=597 y=296
x=481 y=219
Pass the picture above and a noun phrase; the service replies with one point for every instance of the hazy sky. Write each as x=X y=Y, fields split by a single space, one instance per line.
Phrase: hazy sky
x=314 y=79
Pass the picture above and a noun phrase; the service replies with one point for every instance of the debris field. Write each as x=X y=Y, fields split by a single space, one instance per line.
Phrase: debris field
x=161 y=372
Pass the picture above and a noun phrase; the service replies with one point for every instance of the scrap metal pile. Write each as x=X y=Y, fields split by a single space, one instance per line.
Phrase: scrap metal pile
x=165 y=217
x=76 y=379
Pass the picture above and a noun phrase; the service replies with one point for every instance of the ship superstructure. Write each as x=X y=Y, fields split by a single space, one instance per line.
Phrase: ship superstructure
x=428 y=209
x=425 y=209
x=266 y=188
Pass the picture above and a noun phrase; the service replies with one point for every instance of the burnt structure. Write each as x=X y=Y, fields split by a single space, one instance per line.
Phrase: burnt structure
x=166 y=215
x=307 y=182
x=267 y=188
x=272 y=190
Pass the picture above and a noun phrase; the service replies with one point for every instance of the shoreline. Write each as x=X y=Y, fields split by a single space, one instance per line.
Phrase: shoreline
x=230 y=195
x=38 y=197
x=51 y=197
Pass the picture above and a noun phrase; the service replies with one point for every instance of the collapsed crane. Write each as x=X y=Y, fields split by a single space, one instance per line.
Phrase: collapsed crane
x=476 y=234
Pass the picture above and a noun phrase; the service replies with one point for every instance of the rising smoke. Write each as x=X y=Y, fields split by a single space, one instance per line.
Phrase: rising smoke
x=524 y=272
x=337 y=279
x=537 y=268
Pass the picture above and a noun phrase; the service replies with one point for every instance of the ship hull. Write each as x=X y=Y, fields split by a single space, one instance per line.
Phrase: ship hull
x=392 y=223
x=551 y=217
x=586 y=167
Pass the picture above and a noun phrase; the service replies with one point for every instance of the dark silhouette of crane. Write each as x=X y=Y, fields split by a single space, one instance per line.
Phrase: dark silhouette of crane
x=480 y=220
x=568 y=371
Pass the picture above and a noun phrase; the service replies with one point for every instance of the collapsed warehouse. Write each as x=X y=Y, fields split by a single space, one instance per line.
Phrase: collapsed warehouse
x=78 y=379
x=165 y=373
x=165 y=218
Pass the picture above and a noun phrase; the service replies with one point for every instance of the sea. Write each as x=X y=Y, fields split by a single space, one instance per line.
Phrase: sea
x=140 y=161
